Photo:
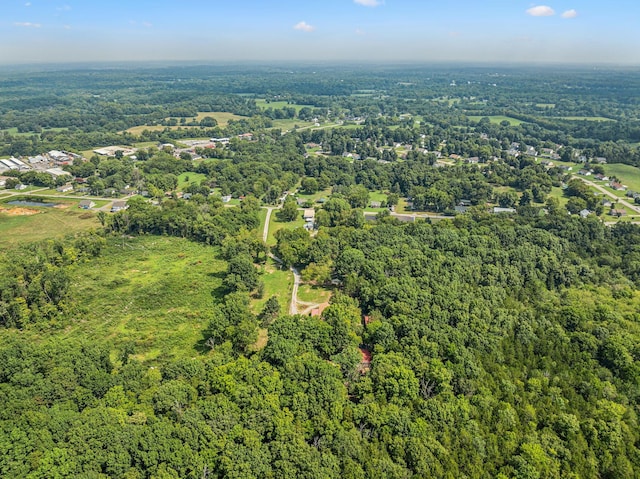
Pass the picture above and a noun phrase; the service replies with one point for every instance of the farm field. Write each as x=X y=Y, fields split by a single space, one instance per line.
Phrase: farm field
x=262 y=103
x=24 y=225
x=151 y=293
x=585 y=118
x=498 y=119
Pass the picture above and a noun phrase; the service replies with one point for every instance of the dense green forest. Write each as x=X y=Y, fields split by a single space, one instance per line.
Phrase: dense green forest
x=456 y=343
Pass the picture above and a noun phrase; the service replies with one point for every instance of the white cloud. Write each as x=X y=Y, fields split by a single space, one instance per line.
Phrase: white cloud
x=27 y=24
x=147 y=24
x=28 y=4
x=541 y=11
x=67 y=27
x=304 y=27
x=369 y=3
x=64 y=8
x=360 y=32
x=570 y=14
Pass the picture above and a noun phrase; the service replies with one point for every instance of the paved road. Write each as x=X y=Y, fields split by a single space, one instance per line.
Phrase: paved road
x=69 y=197
x=600 y=188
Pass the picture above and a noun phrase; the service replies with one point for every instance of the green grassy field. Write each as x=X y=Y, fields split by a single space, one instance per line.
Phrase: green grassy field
x=277 y=282
x=262 y=103
x=186 y=179
x=313 y=294
x=275 y=225
x=315 y=196
x=628 y=175
x=584 y=118
x=222 y=117
x=377 y=196
x=291 y=124
x=498 y=119
x=47 y=223
x=153 y=292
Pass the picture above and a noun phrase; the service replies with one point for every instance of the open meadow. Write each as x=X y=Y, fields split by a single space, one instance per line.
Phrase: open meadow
x=20 y=225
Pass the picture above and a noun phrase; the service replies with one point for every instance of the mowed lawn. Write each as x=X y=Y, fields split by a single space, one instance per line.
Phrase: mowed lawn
x=498 y=119
x=47 y=223
x=277 y=105
x=278 y=282
x=186 y=179
x=154 y=293
x=629 y=175
x=275 y=225
x=222 y=117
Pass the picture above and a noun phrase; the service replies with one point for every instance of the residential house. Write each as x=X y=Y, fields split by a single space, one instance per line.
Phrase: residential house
x=617 y=186
x=65 y=188
x=21 y=187
x=584 y=213
x=375 y=204
x=309 y=214
x=226 y=198
x=87 y=205
x=600 y=160
x=618 y=213
x=474 y=160
x=460 y=209
x=584 y=172
x=118 y=206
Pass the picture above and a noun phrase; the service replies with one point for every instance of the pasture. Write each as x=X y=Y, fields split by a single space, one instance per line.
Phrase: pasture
x=25 y=225
x=498 y=119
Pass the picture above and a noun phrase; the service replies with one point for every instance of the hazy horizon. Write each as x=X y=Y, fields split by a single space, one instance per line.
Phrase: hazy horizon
x=400 y=31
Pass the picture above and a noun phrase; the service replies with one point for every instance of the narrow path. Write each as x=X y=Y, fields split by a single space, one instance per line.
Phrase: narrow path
x=293 y=308
x=265 y=231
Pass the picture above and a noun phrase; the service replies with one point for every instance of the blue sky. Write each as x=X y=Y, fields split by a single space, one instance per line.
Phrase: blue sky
x=575 y=31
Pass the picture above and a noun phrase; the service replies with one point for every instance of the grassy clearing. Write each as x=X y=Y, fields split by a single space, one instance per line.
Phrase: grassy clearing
x=313 y=294
x=584 y=118
x=275 y=225
x=291 y=124
x=262 y=214
x=47 y=223
x=315 y=196
x=222 y=117
x=629 y=175
x=377 y=196
x=154 y=292
x=277 y=282
x=545 y=105
x=276 y=105
x=189 y=178
x=498 y=119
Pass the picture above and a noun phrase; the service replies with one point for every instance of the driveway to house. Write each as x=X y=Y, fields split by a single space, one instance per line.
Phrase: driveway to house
x=265 y=231
x=293 y=308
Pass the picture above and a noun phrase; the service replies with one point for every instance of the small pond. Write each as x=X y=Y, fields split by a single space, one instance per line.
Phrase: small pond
x=30 y=203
